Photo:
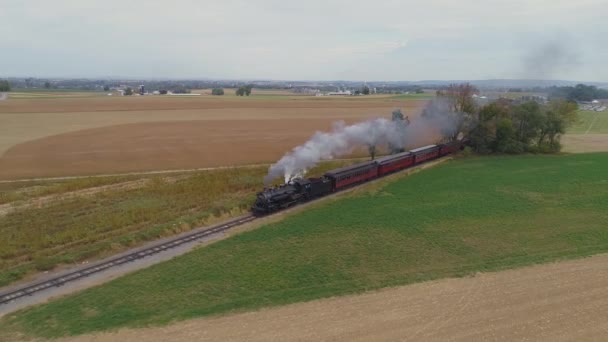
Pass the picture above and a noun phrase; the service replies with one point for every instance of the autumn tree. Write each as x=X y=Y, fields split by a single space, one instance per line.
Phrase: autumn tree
x=461 y=108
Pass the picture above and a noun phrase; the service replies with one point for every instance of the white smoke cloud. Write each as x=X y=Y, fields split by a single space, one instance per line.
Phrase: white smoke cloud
x=343 y=139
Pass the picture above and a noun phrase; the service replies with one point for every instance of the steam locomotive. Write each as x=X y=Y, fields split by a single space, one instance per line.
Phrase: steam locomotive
x=305 y=189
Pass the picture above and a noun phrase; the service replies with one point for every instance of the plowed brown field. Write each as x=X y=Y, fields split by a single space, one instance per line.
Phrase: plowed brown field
x=66 y=137
x=564 y=301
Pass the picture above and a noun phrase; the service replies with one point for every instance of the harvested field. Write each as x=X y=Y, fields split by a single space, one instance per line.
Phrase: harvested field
x=63 y=222
x=154 y=103
x=152 y=146
x=63 y=137
x=555 y=302
x=583 y=143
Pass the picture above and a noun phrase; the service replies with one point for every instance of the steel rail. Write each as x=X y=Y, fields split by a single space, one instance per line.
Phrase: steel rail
x=123 y=259
x=60 y=280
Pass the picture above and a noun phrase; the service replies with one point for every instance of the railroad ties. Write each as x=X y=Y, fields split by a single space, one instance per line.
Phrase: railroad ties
x=142 y=253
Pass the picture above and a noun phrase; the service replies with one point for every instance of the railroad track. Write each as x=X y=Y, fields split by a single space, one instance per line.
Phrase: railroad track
x=120 y=260
x=57 y=281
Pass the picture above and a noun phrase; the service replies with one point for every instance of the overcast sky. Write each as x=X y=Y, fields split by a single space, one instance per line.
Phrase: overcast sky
x=308 y=40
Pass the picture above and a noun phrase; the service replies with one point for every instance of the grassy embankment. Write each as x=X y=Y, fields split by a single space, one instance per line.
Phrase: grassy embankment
x=45 y=224
x=470 y=215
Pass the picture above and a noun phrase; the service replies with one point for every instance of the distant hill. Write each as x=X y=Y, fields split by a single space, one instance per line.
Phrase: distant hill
x=511 y=83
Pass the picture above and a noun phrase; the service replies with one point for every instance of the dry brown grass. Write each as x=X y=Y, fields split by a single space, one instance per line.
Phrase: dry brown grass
x=128 y=103
x=62 y=137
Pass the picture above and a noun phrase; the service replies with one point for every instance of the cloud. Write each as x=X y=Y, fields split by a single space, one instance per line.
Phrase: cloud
x=388 y=39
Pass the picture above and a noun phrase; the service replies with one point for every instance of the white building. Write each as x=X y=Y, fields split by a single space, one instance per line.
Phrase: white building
x=340 y=93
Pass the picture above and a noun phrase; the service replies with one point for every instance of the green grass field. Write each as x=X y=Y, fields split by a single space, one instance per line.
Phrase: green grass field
x=590 y=123
x=466 y=216
x=122 y=212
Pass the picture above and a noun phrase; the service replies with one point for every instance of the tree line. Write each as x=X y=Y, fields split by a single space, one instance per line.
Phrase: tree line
x=5 y=85
x=503 y=126
x=580 y=92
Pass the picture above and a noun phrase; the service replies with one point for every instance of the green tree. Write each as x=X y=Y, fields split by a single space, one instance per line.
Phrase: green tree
x=503 y=127
x=128 y=91
x=5 y=86
x=244 y=90
x=217 y=91
x=461 y=108
x=106 y=88
x=506 y=137
x=580 y=92
x=47 y=85
x=365 y=90
x=372 y=150
x=527 y=119
x=483 y=133
x=559 y=114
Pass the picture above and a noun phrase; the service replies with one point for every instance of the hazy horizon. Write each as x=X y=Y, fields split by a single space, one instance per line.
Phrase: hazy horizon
x=312 y=41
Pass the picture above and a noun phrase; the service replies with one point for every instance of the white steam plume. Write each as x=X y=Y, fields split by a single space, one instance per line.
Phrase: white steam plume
x=342 y=140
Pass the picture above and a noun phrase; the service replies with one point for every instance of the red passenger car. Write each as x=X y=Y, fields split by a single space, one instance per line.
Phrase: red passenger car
x=450 y=147
x=394 y=163
x=425 y=153
x=358 y=173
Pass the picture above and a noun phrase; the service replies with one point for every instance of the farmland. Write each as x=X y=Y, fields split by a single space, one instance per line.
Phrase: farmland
x=589 y=134
x=532 y=303
x=591 y=123
x=55 y=223
x=62 y=222
x=48 y=136
x=449 y=221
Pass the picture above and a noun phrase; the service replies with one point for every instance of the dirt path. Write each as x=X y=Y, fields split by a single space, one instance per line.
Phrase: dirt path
x=553 y=302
